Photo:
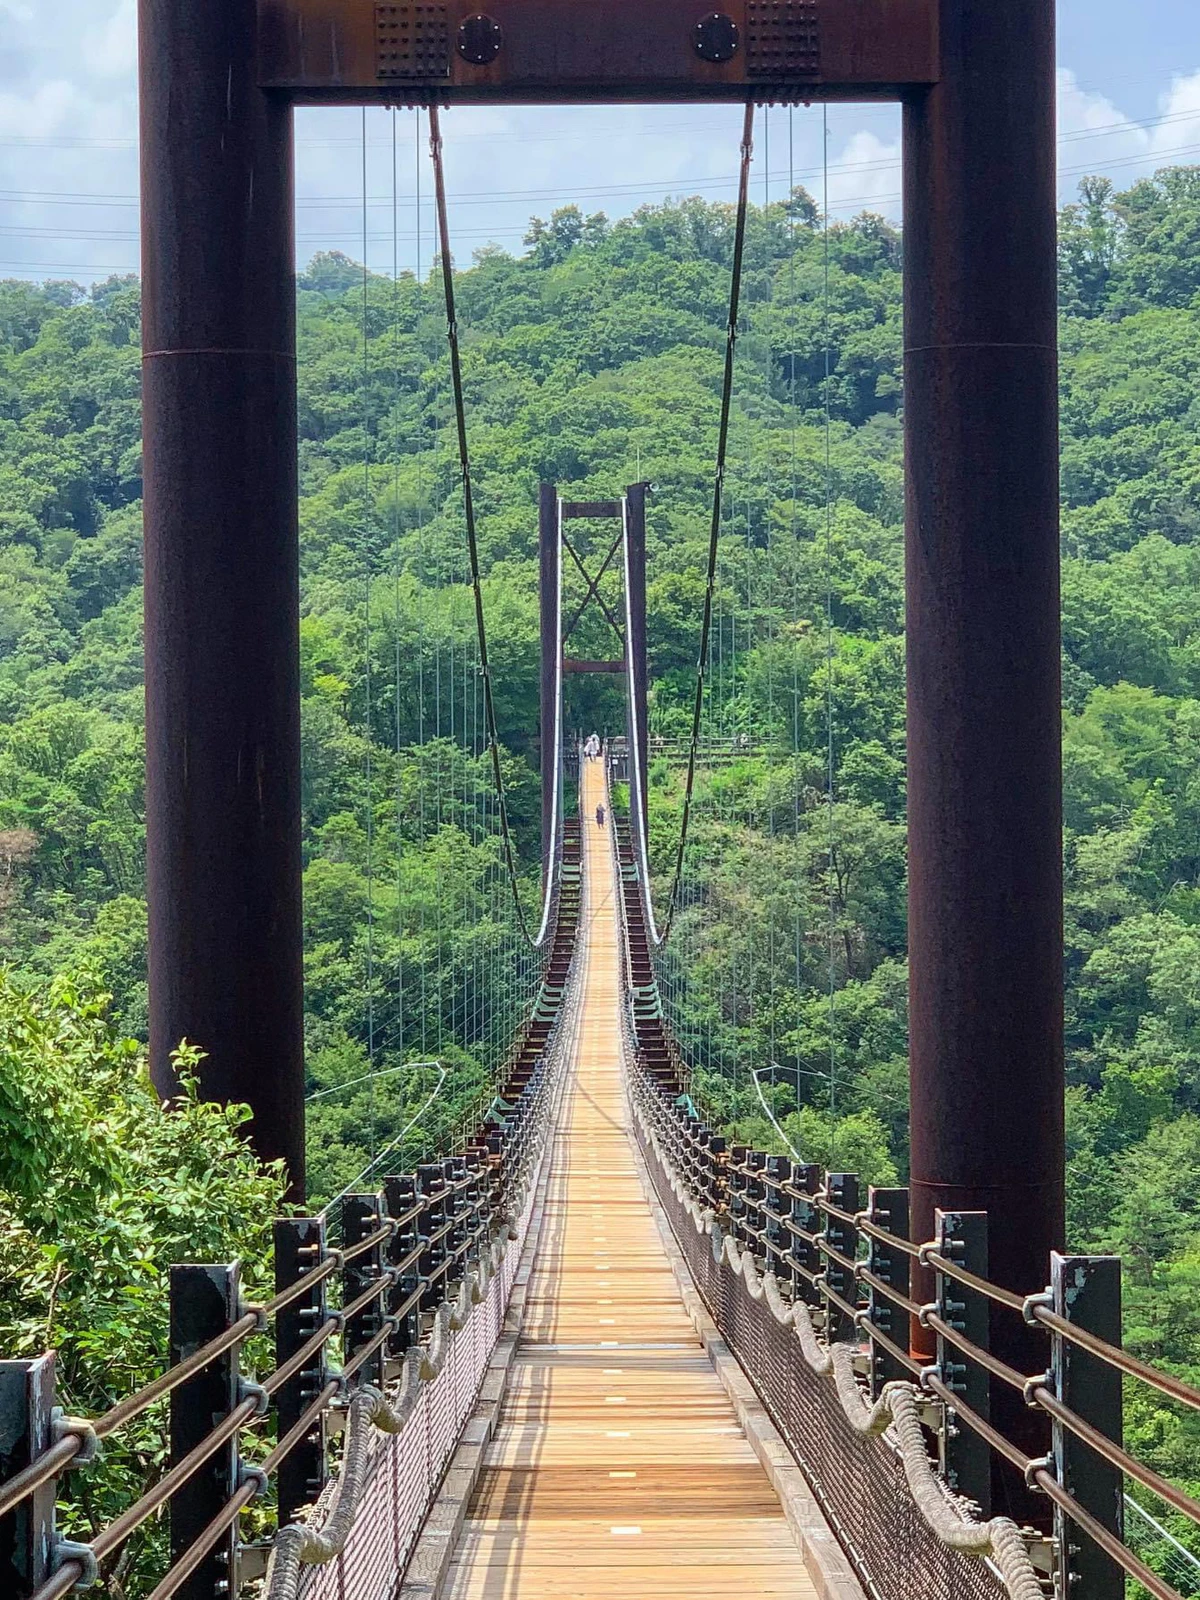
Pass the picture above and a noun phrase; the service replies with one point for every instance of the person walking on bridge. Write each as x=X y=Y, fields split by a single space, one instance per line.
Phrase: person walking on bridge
x=600 y=814
x=592 y=748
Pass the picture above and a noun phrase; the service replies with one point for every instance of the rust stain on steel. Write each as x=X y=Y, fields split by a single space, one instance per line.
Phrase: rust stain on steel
x=561 y=51
x=222 y=568
x=983 y=645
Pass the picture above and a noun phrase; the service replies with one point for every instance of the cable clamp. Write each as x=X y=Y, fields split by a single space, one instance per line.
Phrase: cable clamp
x=338 y=1318
x=259 y=1313
x=64 y=1551
x=927 y=1311
x=249 y=1472
x=924 y=1251
x=65 y=1427
x=926 y=1373
x=1040 y=1380
x=1037 y=1302
x=1032 y=1468
x=246 y=1390
x=341 y=1396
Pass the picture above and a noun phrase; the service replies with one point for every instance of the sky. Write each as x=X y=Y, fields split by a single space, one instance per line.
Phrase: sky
x=1129 y=101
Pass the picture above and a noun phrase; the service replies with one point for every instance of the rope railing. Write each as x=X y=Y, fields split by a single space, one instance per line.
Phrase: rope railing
x=793 y=1238
x=415 y=1258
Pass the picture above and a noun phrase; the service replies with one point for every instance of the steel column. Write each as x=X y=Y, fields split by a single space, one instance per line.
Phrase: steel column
x=635 y=578
x=222 y=562
x=550 y=575
x=985 y=838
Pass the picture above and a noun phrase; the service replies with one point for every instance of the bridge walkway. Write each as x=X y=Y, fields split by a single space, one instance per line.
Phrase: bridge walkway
x=618 y=1468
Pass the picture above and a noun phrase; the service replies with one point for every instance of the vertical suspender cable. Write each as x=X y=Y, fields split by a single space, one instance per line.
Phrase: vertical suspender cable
x=367 y=678
x=660 y=936
x=422 y=629
x=829 y=644
x=797 y=797
x=397 y=529
x=464 y=461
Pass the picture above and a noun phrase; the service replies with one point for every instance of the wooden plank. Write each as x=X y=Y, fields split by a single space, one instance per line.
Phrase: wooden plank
x=618 y=1469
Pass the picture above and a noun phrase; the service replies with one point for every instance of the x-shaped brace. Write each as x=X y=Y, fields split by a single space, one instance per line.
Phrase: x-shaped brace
x=594 y=588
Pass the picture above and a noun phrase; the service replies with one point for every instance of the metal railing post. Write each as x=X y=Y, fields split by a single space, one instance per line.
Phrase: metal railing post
x=735 y=1193
x=755 y=1199
x=841 y=1190
x=717 y=1171
x=362 y=1215
x=888 y=1209
x=805 y=1221
x=299 y=1251
x=429 y=1186
x=204 y=1303
x=779 y=1170
x=26 y=1433
x=966 y=1459
x=1086 y=1290
x=400 y=1196
x=454 y=1170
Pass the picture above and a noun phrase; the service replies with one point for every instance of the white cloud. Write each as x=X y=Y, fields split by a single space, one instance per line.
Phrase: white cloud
x=1096 y=137
x=865 y=174
x=110 y=46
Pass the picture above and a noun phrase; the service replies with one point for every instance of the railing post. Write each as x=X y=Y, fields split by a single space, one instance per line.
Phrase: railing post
x=887 y=1208
x=480 y=1199
x=779 y=1170
x=429 y=1185
x=400 y=1196
x=204 y=1303
x=806 y=1180
x=1086 y=1290
x=26 y=1424
x=755 y=1195
x=841 y=1190
x=495 y=1178
x=735 y=1191
x=362 y=1215
x=966 y=1460
x=717 y=1172
x=454 y=1169
x=299 y=1251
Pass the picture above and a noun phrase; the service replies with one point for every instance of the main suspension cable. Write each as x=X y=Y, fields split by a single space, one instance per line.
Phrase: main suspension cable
x=464 y=462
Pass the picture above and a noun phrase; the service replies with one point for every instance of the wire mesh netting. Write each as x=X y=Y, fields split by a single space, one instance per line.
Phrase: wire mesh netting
x=858 y=1482
x=406 y=1469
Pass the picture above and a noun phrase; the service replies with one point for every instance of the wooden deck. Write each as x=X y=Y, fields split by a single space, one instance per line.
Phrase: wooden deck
x=618 y=1468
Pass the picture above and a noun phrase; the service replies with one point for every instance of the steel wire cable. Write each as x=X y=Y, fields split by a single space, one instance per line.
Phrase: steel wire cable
x=829 y=641
x=368 y=685
x=656 y=936
x=464 y=461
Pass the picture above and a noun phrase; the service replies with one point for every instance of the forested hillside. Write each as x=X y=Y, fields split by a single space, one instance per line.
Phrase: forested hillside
x=592 y=361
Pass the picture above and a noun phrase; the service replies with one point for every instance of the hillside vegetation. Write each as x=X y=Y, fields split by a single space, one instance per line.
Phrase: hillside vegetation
x=591 y=361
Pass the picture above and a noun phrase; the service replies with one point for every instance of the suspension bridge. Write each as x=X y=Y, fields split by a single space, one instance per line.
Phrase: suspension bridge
x=592 y=1346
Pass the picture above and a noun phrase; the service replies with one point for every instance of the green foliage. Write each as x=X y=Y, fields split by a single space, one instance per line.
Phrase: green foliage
x=102 y=1188
x=593 y=360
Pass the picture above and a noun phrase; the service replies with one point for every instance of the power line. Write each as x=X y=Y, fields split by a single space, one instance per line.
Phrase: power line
x=495 y=196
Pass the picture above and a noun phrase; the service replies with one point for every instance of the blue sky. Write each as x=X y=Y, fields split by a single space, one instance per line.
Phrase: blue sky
x=1129 y=101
